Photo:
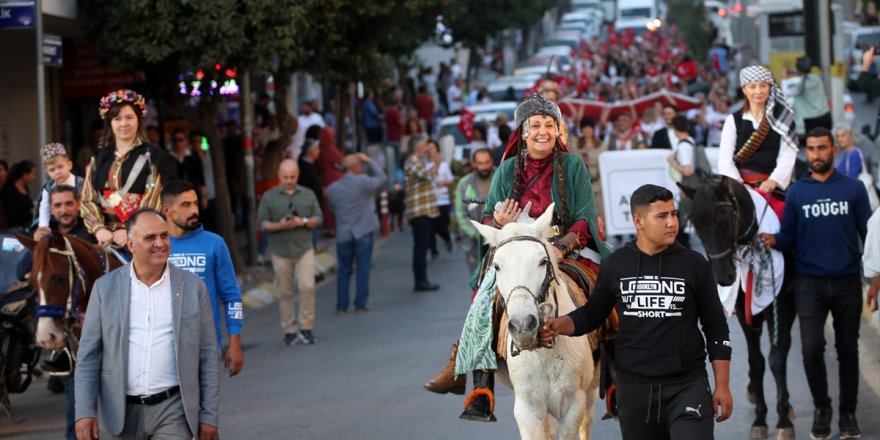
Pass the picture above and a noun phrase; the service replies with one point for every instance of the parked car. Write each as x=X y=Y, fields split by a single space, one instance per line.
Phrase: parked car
x=859 y=40
x=485 y=113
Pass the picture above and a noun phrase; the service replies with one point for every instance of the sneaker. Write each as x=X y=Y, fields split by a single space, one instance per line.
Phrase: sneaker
x=340 y=312
x=849 y=428
x=821 y=424
x=305 y=337
x=362 y=310
x=289 y=338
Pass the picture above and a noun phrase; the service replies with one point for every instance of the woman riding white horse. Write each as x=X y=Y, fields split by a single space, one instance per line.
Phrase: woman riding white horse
x=538 y=174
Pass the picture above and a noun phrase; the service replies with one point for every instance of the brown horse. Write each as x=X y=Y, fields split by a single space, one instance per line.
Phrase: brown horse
x=63 y=272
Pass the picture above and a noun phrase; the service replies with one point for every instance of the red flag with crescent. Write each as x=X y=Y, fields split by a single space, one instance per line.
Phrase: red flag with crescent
x=466 y=124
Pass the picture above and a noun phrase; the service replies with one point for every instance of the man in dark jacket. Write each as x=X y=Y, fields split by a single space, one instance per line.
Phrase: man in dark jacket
x=660 y=290
x=825 y=218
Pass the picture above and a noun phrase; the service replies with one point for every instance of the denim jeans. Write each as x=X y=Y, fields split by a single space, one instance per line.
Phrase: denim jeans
x=815 y=297
x=70 y=432
x=357 y=252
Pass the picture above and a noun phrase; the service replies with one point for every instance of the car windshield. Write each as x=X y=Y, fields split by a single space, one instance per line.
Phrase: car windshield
x=455 y=132
x=865 y=41
x=635 y=13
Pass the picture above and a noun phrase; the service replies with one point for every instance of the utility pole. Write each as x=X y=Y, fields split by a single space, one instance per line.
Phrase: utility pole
x=817 y=36
x=41 y=81
x=247 y=128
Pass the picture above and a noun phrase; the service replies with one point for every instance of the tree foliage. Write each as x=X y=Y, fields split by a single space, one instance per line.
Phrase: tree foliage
x=352 y=40
x=473 y=22
x=690 y=17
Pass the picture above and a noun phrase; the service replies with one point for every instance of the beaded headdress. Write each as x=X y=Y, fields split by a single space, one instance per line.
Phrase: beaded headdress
x=122 y=96
x=51 y=150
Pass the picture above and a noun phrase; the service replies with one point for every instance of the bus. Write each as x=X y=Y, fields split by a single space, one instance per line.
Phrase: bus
x=781 y=30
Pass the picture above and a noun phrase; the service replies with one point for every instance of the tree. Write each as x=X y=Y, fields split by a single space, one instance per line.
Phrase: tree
x=690 y=17
x=164 y=38
x=359 y=40
x=474 y=22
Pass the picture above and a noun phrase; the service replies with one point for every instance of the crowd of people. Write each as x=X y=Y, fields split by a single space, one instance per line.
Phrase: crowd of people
x=151 y=204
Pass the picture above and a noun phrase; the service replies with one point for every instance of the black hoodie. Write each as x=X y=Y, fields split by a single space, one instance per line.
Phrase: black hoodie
x=658 y=298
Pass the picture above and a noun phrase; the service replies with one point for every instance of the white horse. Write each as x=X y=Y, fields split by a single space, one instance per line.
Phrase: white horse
x=555 y=388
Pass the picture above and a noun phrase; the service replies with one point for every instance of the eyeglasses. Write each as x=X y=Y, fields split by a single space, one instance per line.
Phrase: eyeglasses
x=180 y=139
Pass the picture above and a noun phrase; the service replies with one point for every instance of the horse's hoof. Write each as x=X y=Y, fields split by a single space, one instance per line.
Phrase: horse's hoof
x=479 y=406
x=785 y=434
x=758 y=432
x=478 y=417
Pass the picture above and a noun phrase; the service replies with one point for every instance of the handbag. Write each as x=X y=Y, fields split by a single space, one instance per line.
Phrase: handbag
x=868 y=180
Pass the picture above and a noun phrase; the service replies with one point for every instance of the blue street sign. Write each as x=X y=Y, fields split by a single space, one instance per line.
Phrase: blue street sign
x=52 y=53
x=17 y=14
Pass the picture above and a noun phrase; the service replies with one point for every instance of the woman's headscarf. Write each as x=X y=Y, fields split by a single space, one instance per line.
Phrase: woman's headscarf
x=777 y=110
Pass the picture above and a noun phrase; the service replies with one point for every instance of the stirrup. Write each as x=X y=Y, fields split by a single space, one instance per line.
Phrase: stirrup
x=477 y=415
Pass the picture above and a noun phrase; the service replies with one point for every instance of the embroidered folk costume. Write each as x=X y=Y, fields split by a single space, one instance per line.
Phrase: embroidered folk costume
x=116 y=186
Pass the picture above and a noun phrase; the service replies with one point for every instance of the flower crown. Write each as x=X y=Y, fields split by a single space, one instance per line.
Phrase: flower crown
x=122 y=96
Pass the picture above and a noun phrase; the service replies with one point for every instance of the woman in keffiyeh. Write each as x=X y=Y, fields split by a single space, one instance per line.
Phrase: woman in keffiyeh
x=758 y=143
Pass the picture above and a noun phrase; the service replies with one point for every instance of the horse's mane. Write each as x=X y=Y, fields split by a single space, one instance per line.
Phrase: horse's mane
x=42 y=256
x=43 y=260
x=704 y=202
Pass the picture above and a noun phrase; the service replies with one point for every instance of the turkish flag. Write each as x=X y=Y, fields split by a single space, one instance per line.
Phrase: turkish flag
x=466 y=124
x=686 y=69
x=583 y=83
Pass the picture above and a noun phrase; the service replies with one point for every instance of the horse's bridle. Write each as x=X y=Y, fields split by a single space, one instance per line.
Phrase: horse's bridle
x=549 y=275
x=76 y=287
x=540 y=300
x=737 y=240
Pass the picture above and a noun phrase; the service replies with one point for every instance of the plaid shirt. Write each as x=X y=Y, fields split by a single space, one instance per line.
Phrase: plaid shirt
x=421 y=201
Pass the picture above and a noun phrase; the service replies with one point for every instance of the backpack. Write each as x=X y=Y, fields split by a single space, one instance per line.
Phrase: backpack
x=701 y=165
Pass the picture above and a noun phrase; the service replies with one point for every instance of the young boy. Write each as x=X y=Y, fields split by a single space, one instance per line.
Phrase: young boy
x=58 y=165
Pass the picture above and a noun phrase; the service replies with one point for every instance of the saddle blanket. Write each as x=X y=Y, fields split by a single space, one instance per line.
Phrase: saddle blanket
x=767 y=275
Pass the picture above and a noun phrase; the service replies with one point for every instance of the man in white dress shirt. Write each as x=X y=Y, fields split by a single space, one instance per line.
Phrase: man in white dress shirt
x=148 y=352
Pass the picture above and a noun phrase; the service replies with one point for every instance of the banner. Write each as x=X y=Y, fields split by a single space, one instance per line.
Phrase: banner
x=622 y=172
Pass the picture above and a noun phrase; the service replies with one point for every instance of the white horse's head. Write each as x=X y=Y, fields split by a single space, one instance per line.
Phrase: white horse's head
x=524 y=270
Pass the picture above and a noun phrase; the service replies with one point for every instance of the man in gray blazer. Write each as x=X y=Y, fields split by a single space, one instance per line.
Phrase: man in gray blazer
x=148 y=352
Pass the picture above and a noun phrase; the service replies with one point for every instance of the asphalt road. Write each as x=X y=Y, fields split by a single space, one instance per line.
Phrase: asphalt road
x=363 y=380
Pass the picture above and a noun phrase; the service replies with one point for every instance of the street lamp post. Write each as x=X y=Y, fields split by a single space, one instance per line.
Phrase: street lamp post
x=41 y=80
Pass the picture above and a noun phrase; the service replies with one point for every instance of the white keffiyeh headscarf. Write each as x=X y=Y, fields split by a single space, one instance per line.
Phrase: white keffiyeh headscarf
x=777 y=110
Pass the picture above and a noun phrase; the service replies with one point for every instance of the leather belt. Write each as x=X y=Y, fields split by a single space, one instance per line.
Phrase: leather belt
x=153 y=399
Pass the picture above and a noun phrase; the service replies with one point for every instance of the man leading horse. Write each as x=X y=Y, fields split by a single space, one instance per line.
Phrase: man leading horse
x=662 y=386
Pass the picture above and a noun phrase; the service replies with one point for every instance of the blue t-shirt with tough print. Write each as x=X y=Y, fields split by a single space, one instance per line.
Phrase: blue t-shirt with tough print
x=825 y=223
x=206 y=255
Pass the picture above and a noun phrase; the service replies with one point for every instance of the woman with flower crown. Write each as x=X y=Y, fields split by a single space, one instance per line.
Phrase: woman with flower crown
x=126 y=173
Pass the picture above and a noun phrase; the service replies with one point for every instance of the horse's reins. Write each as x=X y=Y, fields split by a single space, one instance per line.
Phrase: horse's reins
x=545 y=309
x=741 y=240
x=736 y=219
x=76 y=287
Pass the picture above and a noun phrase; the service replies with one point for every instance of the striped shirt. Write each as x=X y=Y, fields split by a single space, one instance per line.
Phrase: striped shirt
x=421 y=200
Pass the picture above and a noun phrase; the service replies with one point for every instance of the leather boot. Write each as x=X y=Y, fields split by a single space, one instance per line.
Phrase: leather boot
x=480 y=405
x=446 y=381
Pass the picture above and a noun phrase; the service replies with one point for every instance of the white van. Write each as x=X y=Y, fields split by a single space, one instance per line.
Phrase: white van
x=861 y=39
x=641 y=15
